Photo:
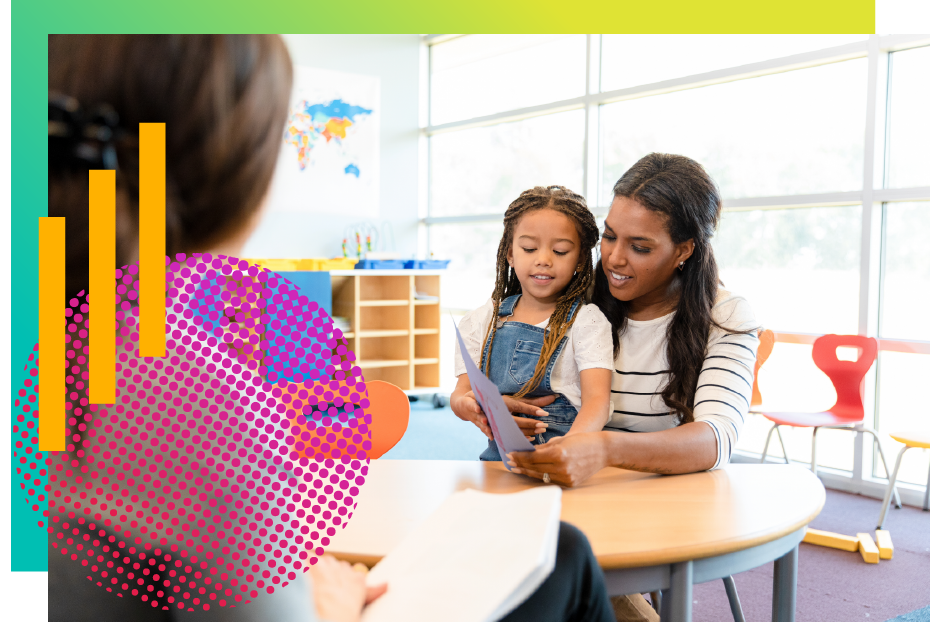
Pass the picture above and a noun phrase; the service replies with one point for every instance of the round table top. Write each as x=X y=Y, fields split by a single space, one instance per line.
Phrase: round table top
x=632 y=519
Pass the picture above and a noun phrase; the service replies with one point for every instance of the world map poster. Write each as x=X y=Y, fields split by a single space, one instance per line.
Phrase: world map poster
x=329 y=159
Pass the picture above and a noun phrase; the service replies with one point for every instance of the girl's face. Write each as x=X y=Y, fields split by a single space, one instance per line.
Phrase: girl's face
x=544 y=253
x=637 y=252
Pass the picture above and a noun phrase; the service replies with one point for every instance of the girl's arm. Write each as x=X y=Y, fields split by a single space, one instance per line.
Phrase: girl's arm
x=465 y=407
x=595 y=401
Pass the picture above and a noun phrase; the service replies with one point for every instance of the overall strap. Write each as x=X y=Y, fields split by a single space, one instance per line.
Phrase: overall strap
x=508 y=305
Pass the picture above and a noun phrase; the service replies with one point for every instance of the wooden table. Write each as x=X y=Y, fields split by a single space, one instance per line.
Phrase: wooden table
x=649 y=532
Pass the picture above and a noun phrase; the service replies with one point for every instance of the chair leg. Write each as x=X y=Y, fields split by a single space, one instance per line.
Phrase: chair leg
x=735 y=606
x=768 y=438
x=888 y=491
x=881 y=454
x=783 y=448
x=814 y=450
x=927 y=493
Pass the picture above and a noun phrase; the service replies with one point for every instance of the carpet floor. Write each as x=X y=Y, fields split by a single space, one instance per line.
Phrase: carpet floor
x=832 y=585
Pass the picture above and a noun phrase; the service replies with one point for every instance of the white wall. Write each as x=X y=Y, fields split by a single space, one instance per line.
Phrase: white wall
x=395 y=59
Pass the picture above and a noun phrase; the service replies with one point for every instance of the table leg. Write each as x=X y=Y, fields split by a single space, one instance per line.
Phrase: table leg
x=676 y=602
x=785 y=586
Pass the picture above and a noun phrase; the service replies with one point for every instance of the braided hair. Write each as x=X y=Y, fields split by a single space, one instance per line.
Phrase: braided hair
x=506 y=284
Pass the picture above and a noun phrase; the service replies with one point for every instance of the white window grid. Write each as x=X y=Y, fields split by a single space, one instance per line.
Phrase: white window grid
x=873 y=196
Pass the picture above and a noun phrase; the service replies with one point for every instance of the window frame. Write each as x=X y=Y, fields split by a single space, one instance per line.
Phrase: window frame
x=873 y=196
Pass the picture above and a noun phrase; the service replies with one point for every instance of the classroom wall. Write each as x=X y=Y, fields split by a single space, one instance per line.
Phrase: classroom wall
x=395 y=59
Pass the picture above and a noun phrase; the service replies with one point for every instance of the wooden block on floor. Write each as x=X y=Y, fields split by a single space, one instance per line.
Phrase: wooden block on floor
x=867 y=547
x=832 y=539
x=885 y=546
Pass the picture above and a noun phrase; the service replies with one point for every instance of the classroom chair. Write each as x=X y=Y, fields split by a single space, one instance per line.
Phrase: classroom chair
x=390 y=414
x=910 y=439
x=848 y=413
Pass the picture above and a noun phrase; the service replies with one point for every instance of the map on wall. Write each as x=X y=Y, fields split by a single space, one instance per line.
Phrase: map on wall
x=329 y=159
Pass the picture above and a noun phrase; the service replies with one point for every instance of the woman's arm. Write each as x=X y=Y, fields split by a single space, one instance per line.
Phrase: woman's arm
x=572 y=460
x=595 y=401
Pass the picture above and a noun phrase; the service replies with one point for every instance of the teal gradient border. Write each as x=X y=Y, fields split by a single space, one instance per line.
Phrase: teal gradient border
x=32 y=21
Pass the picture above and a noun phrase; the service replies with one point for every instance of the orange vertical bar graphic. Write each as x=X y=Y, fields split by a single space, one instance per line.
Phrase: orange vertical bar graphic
x=51 y=333
x=152 y=239
x=102 y=287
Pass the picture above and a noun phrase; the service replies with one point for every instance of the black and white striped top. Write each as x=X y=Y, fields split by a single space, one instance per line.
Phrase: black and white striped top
x=724 y=385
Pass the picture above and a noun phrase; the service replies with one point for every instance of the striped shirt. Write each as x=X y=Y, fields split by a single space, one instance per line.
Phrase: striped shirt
x=724 y=385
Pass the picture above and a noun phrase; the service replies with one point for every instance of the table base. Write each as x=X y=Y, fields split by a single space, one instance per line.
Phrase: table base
x=676 y=579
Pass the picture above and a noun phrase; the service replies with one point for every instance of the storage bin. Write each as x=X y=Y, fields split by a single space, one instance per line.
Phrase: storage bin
x=380 y=265
x=338 y=263
x=426 y=264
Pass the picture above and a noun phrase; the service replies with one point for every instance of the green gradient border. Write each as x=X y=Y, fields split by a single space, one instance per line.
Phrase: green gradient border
x=32 y=21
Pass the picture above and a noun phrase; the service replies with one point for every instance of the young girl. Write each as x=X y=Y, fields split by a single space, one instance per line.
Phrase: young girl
x=543 y=339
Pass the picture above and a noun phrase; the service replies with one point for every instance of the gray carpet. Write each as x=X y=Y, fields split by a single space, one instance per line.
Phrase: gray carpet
x=832 y=585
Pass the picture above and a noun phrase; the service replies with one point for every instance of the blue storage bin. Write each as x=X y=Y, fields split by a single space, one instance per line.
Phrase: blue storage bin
x=380 y=265
x=427 y=264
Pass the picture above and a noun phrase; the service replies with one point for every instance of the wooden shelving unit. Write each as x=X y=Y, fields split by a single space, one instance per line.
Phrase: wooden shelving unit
x=395 y=337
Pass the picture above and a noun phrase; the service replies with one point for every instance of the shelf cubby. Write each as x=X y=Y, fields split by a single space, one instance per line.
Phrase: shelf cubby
x=394 y=335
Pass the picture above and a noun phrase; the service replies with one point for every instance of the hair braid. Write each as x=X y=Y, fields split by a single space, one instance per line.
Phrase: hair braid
x=506 y=283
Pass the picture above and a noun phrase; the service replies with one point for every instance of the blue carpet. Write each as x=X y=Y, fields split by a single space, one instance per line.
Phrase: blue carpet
x=436 y=434
x=921 y=614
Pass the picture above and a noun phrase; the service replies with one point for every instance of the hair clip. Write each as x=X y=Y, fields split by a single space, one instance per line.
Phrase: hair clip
x=82 y=137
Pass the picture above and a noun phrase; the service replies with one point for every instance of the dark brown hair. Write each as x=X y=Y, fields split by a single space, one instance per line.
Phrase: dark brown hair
x=681 y=190
x=506 y=284
x=224 y=101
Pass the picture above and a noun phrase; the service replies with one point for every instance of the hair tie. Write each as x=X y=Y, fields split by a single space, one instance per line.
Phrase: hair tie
x=84 y=137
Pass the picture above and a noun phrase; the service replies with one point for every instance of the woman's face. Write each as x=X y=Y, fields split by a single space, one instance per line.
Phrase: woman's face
x=637 y=253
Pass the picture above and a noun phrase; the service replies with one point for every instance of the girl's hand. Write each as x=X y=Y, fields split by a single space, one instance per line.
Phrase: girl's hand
x=529 y=406
x=339 y=592
x=467 y=408
x=569 y=461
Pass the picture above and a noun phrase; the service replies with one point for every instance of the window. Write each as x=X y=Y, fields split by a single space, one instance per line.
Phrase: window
x=780 y=122
x=481 y=75
x=906 y=274
x=909 y=123
x=798 y=268
x=482 y=170
x=789 y=133
x=905 y=305
x=630 y=60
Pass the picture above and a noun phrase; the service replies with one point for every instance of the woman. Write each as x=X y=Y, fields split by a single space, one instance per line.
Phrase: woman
x=684 y=347
x=224 y=102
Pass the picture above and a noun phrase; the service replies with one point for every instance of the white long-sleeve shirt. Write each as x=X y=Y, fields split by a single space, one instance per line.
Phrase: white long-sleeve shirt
x=724 y=385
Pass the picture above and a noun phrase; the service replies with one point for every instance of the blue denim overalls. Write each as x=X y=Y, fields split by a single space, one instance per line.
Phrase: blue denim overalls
x=517 y=347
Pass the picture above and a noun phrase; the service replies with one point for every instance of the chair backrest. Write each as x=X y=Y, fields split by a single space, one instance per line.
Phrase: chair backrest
x=389 y=409
x=846 y=375
x=766 y=344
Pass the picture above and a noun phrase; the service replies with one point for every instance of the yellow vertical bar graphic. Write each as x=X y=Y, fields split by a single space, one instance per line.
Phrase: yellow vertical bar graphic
x=51 y=334
x=152 y=239
x=102 y=287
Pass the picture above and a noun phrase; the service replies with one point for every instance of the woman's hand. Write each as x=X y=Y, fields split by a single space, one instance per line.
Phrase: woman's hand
x=339 y=591
x=569 y=461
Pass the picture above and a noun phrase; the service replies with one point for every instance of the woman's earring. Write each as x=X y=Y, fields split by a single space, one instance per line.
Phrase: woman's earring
x=681 y=265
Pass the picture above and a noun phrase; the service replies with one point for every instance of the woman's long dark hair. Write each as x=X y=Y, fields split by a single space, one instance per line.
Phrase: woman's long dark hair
x=679 y=188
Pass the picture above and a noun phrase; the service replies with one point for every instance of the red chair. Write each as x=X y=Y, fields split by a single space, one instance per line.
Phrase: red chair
x=848 y=413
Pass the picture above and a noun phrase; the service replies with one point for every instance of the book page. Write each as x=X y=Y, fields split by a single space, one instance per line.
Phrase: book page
x=475 y=559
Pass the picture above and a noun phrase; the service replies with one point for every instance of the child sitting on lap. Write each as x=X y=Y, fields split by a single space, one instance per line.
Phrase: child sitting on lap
x=543 y=339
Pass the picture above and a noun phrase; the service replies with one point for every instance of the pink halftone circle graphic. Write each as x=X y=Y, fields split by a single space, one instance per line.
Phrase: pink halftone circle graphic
x=222 y=469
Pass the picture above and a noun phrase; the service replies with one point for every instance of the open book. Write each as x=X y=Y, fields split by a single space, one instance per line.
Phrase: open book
x=479 y=556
